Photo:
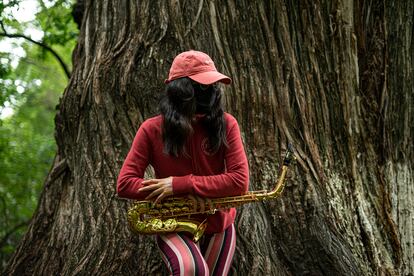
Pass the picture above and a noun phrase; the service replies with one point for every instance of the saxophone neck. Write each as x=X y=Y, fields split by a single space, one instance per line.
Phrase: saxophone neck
x=279 y=185
x=289 y=157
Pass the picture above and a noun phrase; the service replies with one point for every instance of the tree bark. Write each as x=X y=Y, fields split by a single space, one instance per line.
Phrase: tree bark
x=332 y=77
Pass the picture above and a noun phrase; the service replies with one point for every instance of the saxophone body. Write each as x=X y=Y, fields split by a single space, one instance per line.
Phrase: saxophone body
x=175 y=213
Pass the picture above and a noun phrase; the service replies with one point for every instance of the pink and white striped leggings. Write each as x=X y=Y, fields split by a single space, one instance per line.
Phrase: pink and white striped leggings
x=212 y=255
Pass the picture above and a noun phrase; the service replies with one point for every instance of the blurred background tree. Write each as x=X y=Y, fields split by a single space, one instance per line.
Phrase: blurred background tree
x=31 y=82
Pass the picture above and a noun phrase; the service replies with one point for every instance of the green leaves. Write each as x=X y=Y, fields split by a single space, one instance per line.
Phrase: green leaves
x=31 y=82
x=59 y=31
x=6 y=85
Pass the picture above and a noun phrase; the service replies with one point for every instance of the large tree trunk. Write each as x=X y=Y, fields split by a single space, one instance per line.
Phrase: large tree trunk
x=335 y=78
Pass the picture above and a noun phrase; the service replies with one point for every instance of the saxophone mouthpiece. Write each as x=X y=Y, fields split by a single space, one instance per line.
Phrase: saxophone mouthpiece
x=289 y=155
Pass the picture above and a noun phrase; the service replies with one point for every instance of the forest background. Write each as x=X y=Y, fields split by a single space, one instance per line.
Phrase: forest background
x=31 y=82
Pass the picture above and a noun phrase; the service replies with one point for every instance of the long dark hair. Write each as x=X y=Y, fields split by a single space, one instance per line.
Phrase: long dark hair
x=184 y=99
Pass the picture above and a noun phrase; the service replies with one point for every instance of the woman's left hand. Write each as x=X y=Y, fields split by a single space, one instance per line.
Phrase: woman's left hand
x=160 y=187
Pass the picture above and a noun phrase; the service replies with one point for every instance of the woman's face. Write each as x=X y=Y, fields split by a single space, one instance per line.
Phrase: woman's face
x=205 y=96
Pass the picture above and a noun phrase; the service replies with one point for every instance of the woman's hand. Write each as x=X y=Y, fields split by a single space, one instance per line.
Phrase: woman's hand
x=159 y=187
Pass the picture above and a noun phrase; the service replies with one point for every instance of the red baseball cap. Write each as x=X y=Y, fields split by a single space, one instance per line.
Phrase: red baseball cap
x=198 y=66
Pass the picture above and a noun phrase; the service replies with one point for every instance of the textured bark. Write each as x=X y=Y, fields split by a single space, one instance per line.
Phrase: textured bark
x=332 y=77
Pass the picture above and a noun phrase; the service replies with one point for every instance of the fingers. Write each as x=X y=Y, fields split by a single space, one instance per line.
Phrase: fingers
x=161 y=195
x=150 y=187
x=156 y=180
x=158 y=191
x=150 y=181
x=159 y=198
x=159 y=188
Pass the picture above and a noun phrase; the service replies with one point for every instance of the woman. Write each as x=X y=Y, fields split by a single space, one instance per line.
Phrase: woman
x=195 y=149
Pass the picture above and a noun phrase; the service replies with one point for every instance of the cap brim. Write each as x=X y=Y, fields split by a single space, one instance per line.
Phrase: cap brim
x=210 y=77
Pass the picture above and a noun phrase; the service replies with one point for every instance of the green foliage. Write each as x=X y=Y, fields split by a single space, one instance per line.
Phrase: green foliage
x=59 y=31
x=32 y=89
x=6 y=87
x=7 y=18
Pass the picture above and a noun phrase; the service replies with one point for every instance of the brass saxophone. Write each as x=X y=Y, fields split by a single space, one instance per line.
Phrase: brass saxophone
x=174 y=214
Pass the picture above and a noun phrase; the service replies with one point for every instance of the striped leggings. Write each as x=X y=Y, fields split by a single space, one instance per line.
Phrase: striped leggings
x=212 y=255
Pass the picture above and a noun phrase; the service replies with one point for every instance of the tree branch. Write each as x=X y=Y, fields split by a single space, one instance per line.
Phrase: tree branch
x=41 y=44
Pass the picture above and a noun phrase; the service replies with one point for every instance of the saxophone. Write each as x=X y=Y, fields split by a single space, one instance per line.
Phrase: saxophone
x=174 y=214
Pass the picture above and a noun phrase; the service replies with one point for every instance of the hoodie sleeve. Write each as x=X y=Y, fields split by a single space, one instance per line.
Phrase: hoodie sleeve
x=132 y=172
x=233 y=182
